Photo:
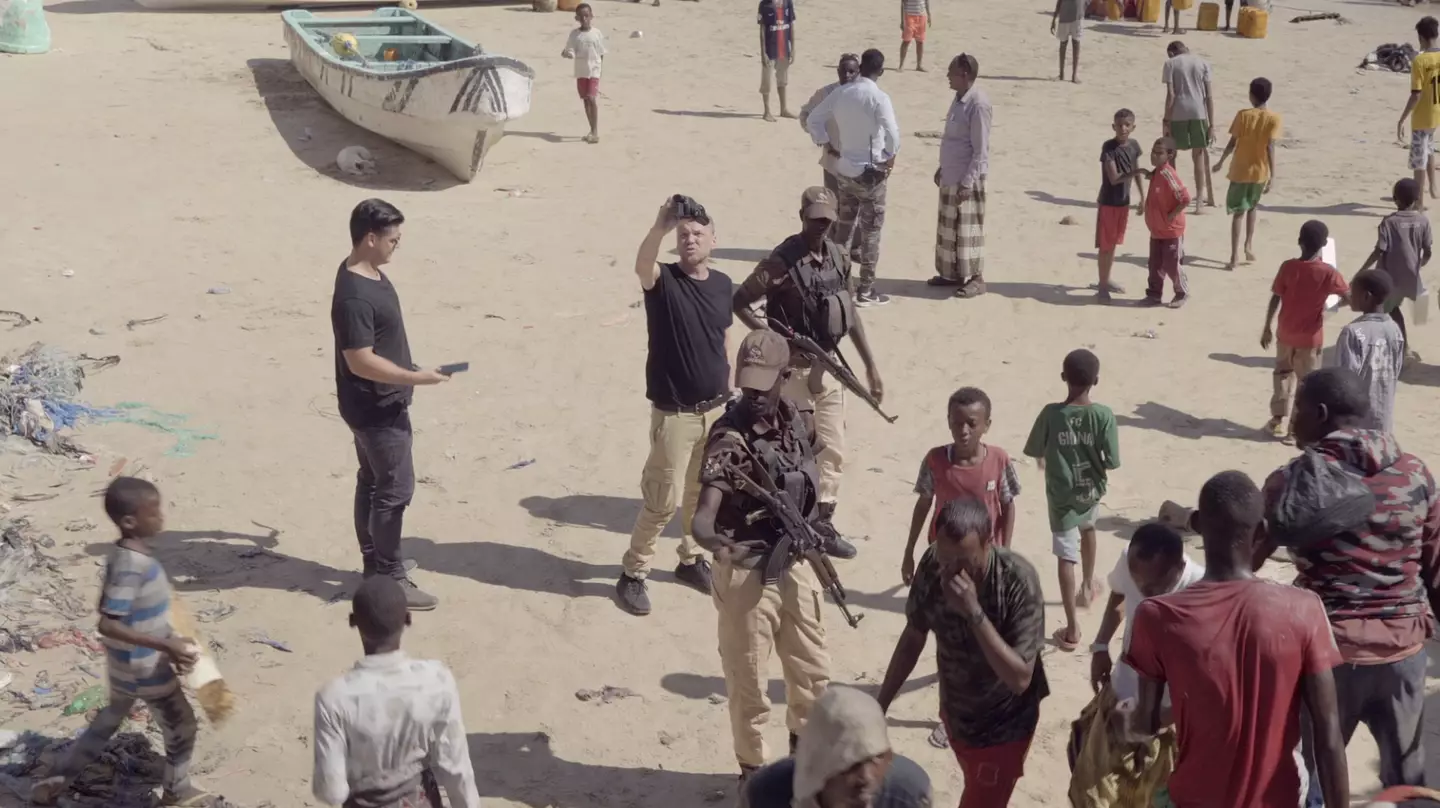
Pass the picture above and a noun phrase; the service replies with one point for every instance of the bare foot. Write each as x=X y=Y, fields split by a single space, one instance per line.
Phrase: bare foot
x=785 y=113
x=1197 y=208
x=1249 y=257
x=591 y=138
x=769 y=117
x=1210 y=202
x=921 y=69
x=1074 y=80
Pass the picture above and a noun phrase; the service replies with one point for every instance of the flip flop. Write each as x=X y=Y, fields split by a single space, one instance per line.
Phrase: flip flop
x=1068 y=646
x=941 y=280
x=972 y=288
x=939 y=738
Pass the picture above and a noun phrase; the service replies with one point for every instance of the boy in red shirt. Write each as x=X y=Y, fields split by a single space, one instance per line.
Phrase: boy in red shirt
x=1165 y=216
x=965 y=467
x=1299 y=292
x=1240 y=656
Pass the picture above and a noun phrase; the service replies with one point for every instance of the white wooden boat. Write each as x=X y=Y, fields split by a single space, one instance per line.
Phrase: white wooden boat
x=411 y=81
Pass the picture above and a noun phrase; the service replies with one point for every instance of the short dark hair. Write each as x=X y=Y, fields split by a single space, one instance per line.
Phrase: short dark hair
x=962 y=516
x=1125 y=114
x=126 y=495
x=1428 y=28
x=966 y=396
x=1375 y=283
x=379 y=606
x=1154 y=539
x=1176 y=48
x=1260 y=90
x=965 y=60
x=1406 y=193
x=1339 y=389
x=1081 y=368
x=373 y=216
x=1230 y=505
x=872 y=62
x=848 y=57
x=1168 y=144
x=585 y=6
x=1314 y=235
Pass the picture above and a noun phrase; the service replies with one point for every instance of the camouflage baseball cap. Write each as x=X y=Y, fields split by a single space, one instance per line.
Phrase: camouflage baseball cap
x=763 y=355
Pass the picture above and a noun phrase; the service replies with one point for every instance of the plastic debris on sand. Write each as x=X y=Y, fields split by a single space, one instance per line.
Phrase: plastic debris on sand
x=38 y=391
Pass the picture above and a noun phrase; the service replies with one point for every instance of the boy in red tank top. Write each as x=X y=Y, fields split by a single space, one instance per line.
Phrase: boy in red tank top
x=965 y=467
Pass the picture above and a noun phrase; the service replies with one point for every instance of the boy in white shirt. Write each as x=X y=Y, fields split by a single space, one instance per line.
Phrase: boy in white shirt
x=587 y=47
x=1154 y=564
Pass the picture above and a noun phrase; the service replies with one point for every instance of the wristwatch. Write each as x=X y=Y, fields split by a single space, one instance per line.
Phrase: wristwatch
x=1099 y=647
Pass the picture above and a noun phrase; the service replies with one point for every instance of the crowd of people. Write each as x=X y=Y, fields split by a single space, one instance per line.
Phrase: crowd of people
x=746 y=415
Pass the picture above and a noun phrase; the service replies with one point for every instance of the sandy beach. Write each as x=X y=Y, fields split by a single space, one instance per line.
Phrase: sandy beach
x=152 y=157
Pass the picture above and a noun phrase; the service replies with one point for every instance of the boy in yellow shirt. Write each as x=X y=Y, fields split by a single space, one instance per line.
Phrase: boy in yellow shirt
x=1423 y=108
x=1252 y=141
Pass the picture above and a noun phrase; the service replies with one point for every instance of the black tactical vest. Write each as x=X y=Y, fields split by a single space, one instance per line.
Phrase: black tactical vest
x=817 y=303
x=787 y=455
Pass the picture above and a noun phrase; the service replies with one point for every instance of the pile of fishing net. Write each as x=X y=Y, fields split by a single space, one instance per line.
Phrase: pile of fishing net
x=38 y=395
x=1393 y=57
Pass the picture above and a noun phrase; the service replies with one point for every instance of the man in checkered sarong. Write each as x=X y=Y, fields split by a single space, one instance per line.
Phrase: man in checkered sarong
x=964 y=161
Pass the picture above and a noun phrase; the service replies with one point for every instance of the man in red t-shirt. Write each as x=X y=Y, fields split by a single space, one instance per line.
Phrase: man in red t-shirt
x=1240 y=656
x=1299 y=293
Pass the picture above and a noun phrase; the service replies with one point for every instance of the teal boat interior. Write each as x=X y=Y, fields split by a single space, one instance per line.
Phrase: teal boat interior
x=391 y=39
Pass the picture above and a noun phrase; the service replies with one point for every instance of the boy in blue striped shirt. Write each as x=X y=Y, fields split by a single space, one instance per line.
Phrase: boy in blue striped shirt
x=143 y=651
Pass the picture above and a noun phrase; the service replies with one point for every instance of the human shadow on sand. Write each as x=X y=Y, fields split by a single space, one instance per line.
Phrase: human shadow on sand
x=315 y=133
x=716 y=113
x=522 y=767
x=525 y=568
x=598 y=511
x=1160 y=418
x=696 y=686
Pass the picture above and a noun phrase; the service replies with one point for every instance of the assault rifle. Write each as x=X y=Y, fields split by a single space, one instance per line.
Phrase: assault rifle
x=798 y=540
x=839 y=369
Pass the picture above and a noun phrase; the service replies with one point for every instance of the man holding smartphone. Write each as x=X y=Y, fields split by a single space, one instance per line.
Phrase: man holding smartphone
x=375 y=380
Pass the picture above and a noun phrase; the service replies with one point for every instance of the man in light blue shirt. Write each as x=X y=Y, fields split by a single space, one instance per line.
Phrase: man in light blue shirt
x=869 y=138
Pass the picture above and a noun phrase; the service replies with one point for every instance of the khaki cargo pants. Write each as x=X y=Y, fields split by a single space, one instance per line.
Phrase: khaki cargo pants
x=826 y=397
x=753 y=620
x=1291 y=364
x=672 y=472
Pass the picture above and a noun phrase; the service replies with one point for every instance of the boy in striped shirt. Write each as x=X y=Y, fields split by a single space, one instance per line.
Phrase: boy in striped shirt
x=914 y=21
x=143 y=650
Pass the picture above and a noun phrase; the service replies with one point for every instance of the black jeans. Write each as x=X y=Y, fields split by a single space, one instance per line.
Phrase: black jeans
x=1389 y=700
x=383 y=489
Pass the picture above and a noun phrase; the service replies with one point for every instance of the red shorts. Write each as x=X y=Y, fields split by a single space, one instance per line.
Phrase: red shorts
x=1110 y=227
x=914 y=30
x=990 y=772
x=588 y=88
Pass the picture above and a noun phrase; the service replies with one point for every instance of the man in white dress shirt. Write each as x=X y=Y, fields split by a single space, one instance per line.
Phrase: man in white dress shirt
x=869 y=138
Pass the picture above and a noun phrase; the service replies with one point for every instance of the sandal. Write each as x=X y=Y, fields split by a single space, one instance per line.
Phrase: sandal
x=974 y=287
x=1068 y=646
x=1275 y=427
x=941 y=280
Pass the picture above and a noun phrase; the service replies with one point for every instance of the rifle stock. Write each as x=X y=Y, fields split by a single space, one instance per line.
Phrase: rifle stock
x=839 y=370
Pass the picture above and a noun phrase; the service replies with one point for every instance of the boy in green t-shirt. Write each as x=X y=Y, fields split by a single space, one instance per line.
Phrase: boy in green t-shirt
x=1075 y=442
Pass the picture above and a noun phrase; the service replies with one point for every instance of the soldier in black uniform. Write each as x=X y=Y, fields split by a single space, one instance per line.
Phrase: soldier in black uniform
x=805 y=284
x=754 y=616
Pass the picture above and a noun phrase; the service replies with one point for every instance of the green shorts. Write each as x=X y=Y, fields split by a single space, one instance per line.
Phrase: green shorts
x=1190 y=134
x=1243 y=196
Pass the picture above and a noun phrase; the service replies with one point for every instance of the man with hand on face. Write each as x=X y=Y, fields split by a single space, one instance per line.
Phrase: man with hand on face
x=805 y=285
x=984 y=604
x=762 y=435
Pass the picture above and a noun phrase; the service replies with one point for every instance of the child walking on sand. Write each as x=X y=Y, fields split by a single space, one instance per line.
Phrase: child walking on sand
x=587 y=47
x=1119 y=164
x=914 y=22
x=966 y=467
x=1298 y=293
x=1076 y=442
x=1165 y=205
x=144 y=653
x=1372 y=346
x=1423 y=107
x=1402 y=249
x=1066 y=23
x=1252 y=141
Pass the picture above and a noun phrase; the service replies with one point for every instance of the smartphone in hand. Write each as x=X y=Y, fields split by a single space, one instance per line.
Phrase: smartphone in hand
x=451 y=370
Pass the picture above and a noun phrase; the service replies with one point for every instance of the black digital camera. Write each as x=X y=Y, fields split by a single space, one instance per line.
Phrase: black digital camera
x=686 y=208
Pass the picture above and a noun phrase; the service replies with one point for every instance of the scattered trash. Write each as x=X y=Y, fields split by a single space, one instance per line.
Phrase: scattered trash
x=37 y=397
x=79 y=525
x=69 y=636
x=637 y=304
x=218 y=290
x=17 y=319
x=356 y=161
x=88 y=671
x=97 y=332
x=31 y=585
x=67 y=273
x=132 y=412
x=522 y=464
x=216 y=613
x=261 y=639
x=493 y=317
x=1068 y=220
x=133 y=324
x=716 y=698
x=42 y=684
x=637 y=34
x=930 y=135
x=90 y=698
x=667 y=739
x=1328 y=15
x=125 y=774
x=6 y=677
x=606 y=694
x=305 y=136
x=13 y=643
x=1148 y=333
x=1393 y=57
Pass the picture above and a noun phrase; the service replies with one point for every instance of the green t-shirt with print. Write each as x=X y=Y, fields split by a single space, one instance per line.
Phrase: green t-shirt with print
x=1079 y=444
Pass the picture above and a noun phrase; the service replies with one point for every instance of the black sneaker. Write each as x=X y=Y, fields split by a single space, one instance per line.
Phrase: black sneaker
x=835 y=545
x=695 y=575
x=408 y=565
x=866 y=298
x=417 y=599
x=633 y=597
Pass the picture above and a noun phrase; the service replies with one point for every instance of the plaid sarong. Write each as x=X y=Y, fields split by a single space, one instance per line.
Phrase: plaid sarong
x=960 y=233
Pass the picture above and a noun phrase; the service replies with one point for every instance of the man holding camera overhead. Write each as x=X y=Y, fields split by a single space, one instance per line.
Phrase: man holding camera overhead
x=687 y=380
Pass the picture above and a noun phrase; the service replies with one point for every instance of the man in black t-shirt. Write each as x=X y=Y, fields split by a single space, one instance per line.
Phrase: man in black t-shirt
x=374 y=381
x=687 y=379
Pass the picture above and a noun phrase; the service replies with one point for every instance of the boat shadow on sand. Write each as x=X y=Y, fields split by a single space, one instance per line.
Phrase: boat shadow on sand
x=315 y=133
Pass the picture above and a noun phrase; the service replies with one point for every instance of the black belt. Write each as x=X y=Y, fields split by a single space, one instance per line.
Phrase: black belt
x=695 y=409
